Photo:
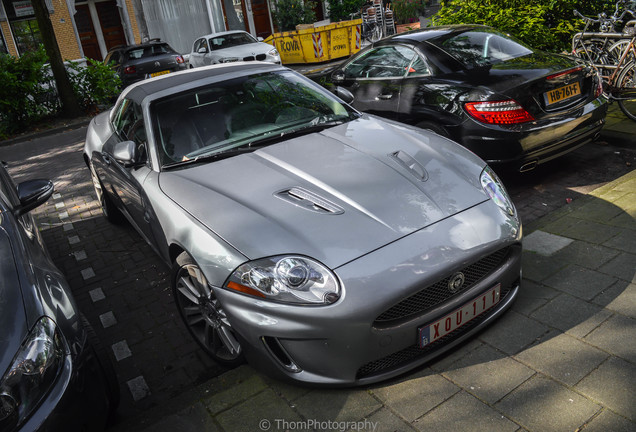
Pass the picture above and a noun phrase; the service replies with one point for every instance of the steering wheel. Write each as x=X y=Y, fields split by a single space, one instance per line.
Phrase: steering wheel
x=272 y=113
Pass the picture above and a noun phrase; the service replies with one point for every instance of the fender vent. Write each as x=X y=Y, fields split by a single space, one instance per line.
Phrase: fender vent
x=309 y=201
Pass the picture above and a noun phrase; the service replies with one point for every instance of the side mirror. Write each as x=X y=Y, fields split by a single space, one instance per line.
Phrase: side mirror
x=338 y=76
x=32 y=194
x=125 y=153
x=344 y=94
x=202 y=50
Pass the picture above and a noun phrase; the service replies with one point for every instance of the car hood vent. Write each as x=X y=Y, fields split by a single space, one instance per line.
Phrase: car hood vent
x=410 y=164
x=309 y=201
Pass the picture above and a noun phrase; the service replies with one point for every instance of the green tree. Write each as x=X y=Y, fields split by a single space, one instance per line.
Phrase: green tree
x=341 y=10
x=544 y=24
x=289 y=13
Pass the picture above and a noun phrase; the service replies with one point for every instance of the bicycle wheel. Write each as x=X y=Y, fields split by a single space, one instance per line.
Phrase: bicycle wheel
x=595 y=55
x=375 y=34
x=626 y=93
x=589 y=49
x=615 y=52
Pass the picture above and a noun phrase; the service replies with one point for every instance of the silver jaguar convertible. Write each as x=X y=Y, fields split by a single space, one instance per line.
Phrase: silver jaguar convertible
x=321 y=244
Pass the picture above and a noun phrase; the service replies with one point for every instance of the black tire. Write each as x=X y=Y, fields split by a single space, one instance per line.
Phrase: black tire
x=203 y=314
x=439 y=130
x=111 y=213
x=627 y=90
x=106 y=365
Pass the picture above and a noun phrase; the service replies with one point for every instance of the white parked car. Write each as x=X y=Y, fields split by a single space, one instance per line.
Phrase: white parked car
x=231 y=46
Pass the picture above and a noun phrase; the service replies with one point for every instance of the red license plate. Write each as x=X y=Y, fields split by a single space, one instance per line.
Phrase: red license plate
x=456 y=319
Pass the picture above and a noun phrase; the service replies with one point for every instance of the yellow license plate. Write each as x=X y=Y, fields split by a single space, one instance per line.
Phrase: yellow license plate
x=562 y=93
x=159 y=73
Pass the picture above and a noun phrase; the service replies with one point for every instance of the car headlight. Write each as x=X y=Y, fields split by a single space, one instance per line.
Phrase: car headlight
x=273 y=53
x=286 y=279
x=32 y=373
x=496 y=191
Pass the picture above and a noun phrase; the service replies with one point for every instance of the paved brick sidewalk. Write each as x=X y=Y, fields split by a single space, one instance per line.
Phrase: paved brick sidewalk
x=563 y=359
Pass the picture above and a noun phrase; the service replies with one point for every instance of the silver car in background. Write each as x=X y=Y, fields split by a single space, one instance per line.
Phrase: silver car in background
x=323 y=245
x=231 y=46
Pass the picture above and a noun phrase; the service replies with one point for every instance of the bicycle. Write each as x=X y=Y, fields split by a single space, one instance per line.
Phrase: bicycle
x=604 y=47
x=621 y=84
x=616 y=65
x=371 y=29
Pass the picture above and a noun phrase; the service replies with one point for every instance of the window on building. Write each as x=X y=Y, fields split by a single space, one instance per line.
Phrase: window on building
x=27 y=35
x=24 y=26
x=3 y=45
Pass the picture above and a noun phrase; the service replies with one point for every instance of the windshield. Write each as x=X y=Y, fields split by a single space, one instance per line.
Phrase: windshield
x=481 y=47
x=240 y=115
x=230 y=40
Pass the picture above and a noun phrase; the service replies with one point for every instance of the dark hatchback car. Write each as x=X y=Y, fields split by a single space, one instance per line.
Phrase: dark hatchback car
x=137 y=62
x=54 y=374
x=499 y=98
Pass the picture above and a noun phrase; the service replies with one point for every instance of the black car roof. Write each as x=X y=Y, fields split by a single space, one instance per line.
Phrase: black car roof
x=149 y=43
x=428 y=40
x=196 y=77
x=421 y=35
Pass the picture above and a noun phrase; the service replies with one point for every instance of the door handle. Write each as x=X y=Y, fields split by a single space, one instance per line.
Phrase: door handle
x=106 y=159
x=384 y=97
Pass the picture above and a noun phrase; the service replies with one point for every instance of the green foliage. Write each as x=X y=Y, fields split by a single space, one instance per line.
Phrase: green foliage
x=407 y=10
x=23 y=98
x=94 y=84
x=341 y=10
x=28 y=93
x=543 y=24
x=289 y=13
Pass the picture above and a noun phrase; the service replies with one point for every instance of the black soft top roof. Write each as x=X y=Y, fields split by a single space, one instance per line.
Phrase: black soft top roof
x=196 y=77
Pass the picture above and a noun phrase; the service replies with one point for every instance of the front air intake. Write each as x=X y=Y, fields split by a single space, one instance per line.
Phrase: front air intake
x=278 y=352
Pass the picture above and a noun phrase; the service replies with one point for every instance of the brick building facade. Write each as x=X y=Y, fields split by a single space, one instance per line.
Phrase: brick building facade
x=83 y=28
x=89 y=28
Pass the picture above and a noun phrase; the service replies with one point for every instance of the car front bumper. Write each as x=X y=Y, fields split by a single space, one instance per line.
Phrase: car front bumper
x=345 y=343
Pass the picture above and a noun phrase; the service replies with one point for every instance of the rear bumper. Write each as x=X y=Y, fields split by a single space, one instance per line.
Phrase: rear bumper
x=127 y=80
x=536 y=142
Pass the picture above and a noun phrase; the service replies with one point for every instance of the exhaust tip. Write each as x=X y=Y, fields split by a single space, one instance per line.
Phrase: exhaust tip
x=529 y=166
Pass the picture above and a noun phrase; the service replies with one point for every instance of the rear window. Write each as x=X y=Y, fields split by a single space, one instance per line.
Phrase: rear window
x=481 y=48
x=148 y=51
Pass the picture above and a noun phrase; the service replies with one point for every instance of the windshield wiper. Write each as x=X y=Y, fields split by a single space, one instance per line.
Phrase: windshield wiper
x=304 y=130
x=245 y=148
x=257 y=143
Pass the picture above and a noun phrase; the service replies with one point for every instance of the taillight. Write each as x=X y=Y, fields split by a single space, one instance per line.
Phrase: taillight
x=499 y=112
x=130 y=70
x=180 y=60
